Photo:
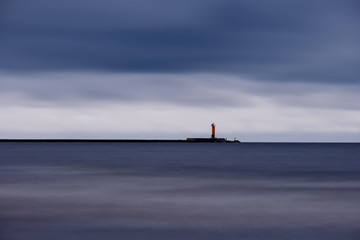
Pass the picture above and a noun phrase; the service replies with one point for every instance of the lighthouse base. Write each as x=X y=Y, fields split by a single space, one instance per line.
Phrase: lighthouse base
x=207 y=140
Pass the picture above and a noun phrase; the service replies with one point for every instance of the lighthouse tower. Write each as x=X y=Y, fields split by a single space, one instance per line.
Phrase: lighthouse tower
x=213 y=130
x=212 y=139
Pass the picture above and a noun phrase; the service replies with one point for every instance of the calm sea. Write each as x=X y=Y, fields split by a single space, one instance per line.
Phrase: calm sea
x=179 y=191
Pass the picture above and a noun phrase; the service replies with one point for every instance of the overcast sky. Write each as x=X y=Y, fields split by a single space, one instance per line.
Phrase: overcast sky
x=262 y=70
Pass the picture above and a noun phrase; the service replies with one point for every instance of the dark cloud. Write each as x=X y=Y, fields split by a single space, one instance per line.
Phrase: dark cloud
x=313 y=41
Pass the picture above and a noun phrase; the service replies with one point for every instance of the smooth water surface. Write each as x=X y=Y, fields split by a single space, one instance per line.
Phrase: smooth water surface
x=179 y=191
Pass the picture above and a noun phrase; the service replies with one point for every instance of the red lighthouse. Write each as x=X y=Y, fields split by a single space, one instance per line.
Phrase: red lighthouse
x=213 y=131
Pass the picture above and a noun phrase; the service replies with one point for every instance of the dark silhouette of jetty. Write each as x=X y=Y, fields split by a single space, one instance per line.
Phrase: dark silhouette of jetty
x=188 y=140
x=212 y=139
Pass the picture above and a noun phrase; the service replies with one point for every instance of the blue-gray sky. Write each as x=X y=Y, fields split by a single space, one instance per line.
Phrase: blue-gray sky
x=263 y=70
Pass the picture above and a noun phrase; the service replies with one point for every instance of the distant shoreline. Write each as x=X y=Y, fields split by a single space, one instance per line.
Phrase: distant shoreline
x=189 y=140
x=199 y=140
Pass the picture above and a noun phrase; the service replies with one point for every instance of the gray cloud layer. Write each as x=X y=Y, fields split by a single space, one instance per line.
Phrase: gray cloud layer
x=193 y=90
x=313 y=41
